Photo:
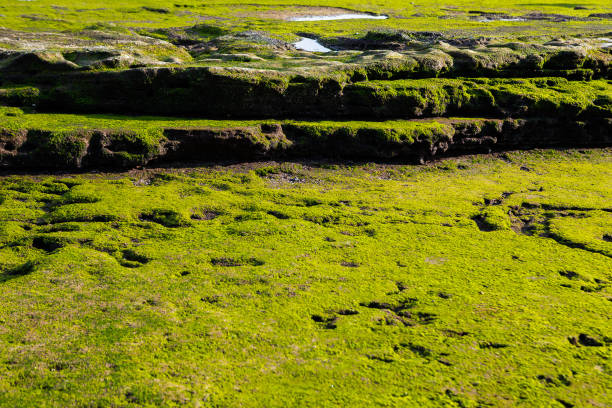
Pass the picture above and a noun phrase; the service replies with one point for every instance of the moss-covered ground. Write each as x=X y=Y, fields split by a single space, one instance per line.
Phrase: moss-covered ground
x=260 y=35
x=272 y=16
x=479 y=281
x=243 y=252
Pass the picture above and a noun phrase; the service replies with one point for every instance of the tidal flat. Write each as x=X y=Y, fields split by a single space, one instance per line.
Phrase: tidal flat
x=482 y=280
x=313 y=204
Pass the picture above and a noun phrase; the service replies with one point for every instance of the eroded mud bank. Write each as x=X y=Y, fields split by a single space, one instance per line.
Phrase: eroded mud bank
x=406 y=141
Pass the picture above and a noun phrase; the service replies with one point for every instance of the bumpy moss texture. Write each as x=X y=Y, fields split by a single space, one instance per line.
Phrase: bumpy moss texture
x=273 y=15
x=204 y=94
x=468 y=282
x=473 y=282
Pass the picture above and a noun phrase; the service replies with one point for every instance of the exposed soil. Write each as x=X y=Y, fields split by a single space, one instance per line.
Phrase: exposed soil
x=122 y=149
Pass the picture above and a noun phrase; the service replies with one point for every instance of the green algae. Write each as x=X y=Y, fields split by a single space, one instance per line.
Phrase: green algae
x=478 y=281
x=19 y=96
x=287 y=284
x=271 y=16
x=518 y=97
x=69 y=141
x=239 y=94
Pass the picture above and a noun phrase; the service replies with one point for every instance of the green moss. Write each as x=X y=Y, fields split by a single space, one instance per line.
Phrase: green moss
x=269 y=16
x=591 y=230
x=59 y=148
x=494 y=218
x=237 y=94
x=309 y=276
x=167 y=218
x=19 y=96
x=531 y=97
x=365 y=138
x=24 y=269
x=477 y=281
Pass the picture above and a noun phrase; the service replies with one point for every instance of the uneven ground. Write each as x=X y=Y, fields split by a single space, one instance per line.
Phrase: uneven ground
x=194 y=212
x=481 y=281
x=447 y=81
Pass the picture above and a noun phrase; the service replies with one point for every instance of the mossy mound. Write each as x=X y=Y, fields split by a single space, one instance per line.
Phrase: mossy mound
x=221 y=93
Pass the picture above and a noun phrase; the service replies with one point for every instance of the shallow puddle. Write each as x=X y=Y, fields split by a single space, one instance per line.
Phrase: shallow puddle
x=352 y=16
x=308 y=44
x=606 y=42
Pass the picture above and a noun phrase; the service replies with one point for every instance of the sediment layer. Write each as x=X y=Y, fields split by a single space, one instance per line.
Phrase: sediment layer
x=410 y=102
x=408 y=141
x=209 y=92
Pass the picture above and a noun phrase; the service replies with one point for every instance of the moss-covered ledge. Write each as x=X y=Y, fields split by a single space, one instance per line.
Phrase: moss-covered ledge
x=52 y=141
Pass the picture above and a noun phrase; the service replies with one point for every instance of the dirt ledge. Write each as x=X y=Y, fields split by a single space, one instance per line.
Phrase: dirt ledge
x=417 y=143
